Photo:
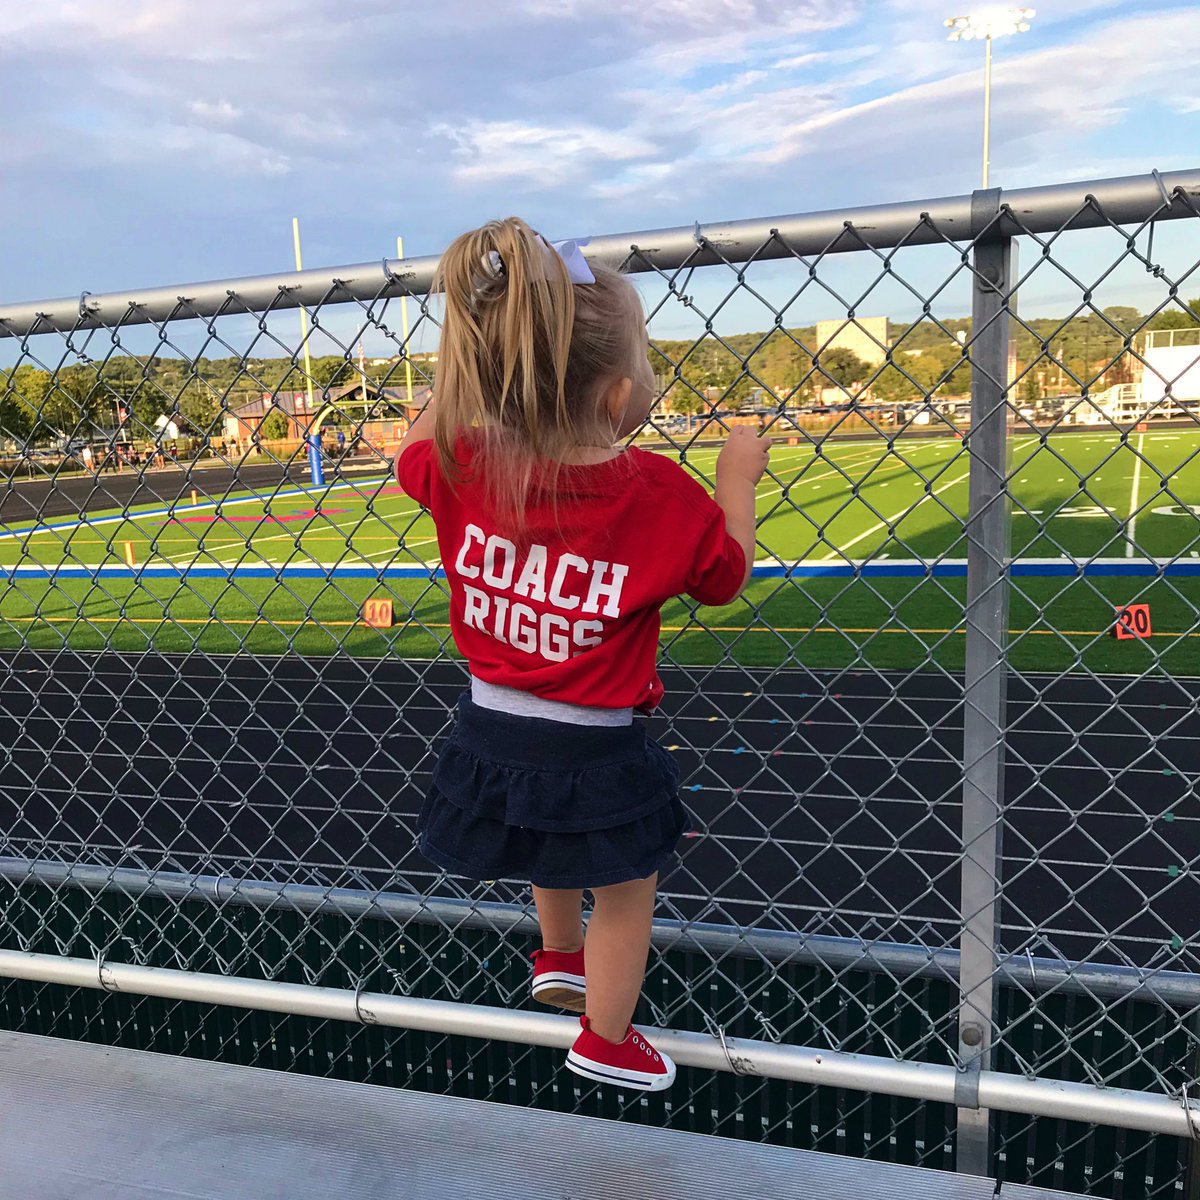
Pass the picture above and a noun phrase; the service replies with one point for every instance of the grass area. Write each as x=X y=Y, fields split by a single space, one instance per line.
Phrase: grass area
x=1080 y=495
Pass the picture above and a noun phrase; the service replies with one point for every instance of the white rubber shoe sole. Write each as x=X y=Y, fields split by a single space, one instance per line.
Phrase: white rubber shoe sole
x=643 y=1081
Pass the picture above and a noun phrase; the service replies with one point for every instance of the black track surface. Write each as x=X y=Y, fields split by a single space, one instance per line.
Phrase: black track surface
x=822 y=800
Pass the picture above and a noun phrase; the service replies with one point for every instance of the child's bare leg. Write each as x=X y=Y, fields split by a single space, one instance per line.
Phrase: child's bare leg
x=618 y=940
x=560 y=914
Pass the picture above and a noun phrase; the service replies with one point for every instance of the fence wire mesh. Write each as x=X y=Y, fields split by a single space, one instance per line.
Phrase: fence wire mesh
x=216 y=740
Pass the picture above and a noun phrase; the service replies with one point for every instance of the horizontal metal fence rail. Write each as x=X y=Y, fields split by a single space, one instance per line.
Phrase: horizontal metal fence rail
x=1027 y=973
x=1169 y=196
x=941 y=810
x=920 y=1081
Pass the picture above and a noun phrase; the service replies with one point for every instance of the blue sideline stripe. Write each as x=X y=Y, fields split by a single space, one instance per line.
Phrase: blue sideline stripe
x=899 y=569
x=216 y=571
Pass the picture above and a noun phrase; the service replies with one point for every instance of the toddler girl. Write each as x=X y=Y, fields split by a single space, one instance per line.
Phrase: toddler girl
x=560 y=546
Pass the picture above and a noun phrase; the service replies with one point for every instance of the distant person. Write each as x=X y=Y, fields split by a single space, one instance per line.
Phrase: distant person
x=561 y=547
x=174 y=451
x=341 y=441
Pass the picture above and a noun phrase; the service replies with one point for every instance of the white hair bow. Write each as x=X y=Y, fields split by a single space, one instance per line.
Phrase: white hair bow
x=570 y=252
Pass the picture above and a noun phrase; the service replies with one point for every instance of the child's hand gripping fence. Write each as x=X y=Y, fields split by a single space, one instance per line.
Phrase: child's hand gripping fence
x=942 y=814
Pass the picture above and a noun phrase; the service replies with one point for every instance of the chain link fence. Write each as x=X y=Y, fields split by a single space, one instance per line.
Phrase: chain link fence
x=941 y=757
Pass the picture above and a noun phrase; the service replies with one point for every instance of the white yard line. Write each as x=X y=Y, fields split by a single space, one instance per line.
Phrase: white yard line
x=254 y=541
x=804 y=478
x=1131 y=527
x=396 y=549
x=841 y=551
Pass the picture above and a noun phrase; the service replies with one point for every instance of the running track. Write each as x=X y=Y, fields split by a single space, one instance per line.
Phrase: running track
x=822 y=800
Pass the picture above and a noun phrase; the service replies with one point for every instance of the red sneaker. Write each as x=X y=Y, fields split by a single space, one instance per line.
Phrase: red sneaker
x=558 y=979
x=633 y=1063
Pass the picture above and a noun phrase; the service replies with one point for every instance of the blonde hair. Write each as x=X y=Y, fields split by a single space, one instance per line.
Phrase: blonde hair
x=523 y=358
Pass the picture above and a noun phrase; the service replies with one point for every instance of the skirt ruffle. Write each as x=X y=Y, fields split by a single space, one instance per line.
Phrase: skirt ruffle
x=562 y=806
x=480 y=848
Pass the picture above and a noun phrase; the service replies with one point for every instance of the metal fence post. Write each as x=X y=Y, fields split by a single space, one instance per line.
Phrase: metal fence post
x=987 y=531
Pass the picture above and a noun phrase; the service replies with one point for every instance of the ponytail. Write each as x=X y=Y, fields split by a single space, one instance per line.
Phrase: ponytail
x=522 y=352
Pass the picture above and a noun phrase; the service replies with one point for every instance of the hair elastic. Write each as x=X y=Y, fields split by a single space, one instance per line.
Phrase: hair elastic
x=570 y=252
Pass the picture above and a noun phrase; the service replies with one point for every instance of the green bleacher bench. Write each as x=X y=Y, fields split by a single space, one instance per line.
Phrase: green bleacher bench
x=79 y=1120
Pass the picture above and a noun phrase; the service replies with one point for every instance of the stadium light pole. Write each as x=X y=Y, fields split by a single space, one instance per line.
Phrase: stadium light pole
x=985 y=25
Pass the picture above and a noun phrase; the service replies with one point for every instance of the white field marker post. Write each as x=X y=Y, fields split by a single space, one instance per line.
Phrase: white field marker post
x=303 y=322
x=1131 y=526
x=404 y=328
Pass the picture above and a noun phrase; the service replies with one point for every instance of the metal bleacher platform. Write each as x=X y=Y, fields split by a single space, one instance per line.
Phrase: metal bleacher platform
x=85 y=1120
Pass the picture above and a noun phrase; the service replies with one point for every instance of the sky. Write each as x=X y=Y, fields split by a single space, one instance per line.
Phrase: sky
x=150 y=142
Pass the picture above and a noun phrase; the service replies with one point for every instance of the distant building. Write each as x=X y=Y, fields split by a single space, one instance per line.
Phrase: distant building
x=1168 y=387
x=1171 y=360
x=242 y=423
x=422 y=359
x=865 y=336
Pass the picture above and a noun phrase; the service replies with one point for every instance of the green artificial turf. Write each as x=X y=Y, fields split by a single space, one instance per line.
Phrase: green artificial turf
x=1081 y=495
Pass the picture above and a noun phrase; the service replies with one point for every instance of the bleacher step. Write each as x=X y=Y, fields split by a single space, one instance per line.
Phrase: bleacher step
x=85 y=1120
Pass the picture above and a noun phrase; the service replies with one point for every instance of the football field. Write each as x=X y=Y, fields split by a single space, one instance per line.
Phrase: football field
x=861 y=560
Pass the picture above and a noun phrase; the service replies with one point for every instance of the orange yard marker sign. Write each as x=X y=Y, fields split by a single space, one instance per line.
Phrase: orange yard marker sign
x=377 y=614
x=129 y=559
x=1133 y=621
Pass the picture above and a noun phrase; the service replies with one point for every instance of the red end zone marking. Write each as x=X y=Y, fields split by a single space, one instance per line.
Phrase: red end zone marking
x=212 y=518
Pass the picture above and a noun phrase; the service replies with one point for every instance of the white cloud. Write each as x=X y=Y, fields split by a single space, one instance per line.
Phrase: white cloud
x=1049 y=98
x=545 y=155
x=155 y=116
x=222 y=111
x=813 y=58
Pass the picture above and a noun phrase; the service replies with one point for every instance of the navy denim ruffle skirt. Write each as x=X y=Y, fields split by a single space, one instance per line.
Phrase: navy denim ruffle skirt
x=563 y=806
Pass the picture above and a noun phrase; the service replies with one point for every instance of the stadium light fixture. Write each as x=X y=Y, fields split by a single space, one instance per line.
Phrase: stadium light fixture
x=986 y=25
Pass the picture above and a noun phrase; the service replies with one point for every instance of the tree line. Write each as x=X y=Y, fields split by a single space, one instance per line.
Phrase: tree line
x=928 y=357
